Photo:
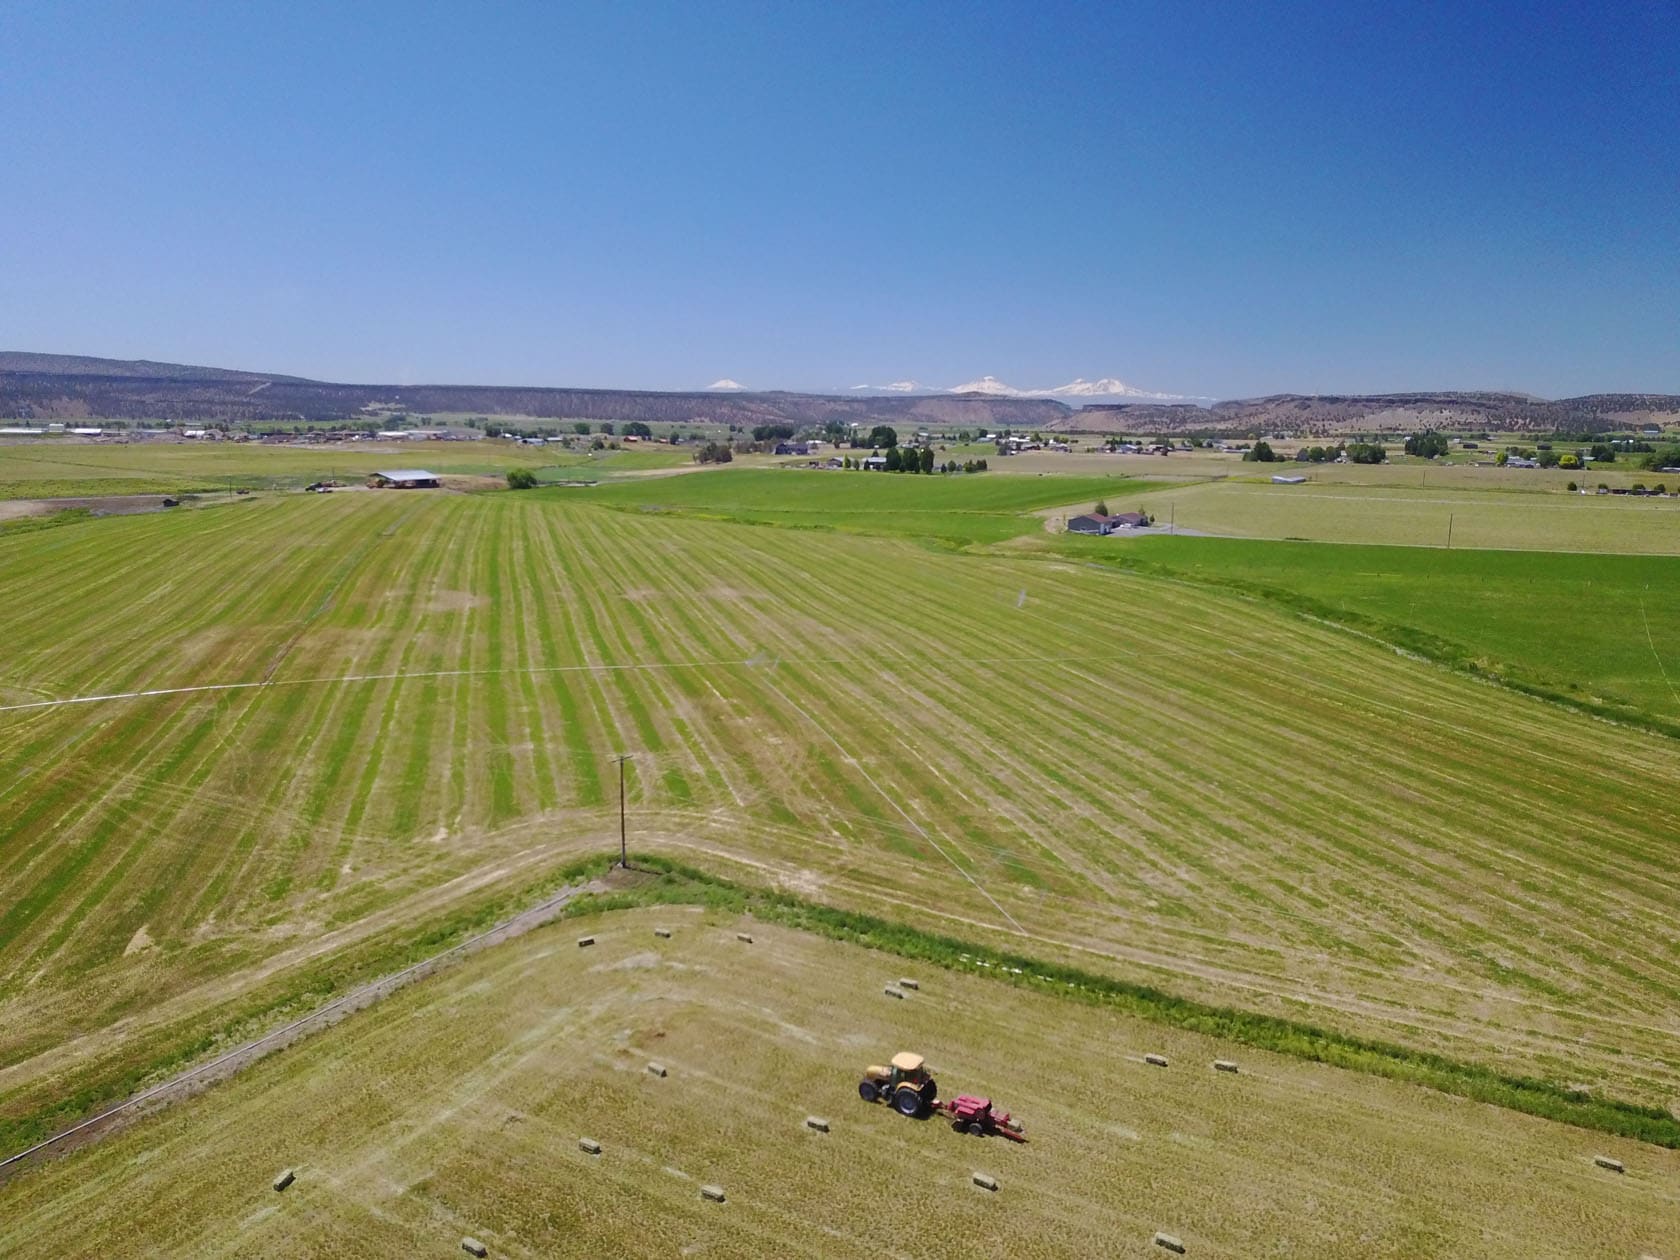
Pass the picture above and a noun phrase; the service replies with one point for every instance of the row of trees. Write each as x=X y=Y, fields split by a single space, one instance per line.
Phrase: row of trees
x=1429 y=444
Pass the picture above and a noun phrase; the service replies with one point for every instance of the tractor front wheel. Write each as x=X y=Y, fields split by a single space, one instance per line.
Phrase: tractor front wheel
x=908 y=1101
x=867 y=1091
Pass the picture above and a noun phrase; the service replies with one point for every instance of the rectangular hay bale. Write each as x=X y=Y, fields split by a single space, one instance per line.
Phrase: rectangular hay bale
x=892 y=992
x=1169 y=1242
x=984 y=1181
x=585 y=941
x=906 y=983
x=744 y=936
x=817 y=1123
x=473 y=1247
x=664 y=932
x=656 y=1069
x=589 y=1146
x=1224 y=1065
x=1155 y=1060
x=286 y=1177
x=1604 y=1161
x=712 y=1193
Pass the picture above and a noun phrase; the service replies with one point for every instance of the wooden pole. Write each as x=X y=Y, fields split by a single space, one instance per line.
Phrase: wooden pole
x=623 y=839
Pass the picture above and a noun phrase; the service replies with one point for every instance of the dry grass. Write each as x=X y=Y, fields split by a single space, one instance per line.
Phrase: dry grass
x=456 y=1109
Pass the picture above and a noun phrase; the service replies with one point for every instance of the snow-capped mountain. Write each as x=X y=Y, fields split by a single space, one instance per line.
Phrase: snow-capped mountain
x=1077 y=391
x=726 y=384
x=989 y=385
x=897 y=387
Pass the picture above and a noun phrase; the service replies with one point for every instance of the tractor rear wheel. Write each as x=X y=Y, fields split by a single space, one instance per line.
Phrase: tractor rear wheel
x=867 y=1091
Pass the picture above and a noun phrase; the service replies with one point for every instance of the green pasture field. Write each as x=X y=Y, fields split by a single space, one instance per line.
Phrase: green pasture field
x=979 y=507
x=1596 y=627
x=455 y=1109
x=411 y=718
x=1413 y=516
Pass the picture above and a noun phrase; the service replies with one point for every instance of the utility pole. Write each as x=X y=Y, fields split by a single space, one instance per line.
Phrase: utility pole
x=1449 y=532
x=623 y=843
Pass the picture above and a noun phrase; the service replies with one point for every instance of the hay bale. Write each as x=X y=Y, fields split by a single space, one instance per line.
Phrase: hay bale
x=473 y=1247
x=744 y=936
x=1224 y=1065
x=892 y=992
x=906 y=983
x=584 y=941
x=817 y=1123
x=984 y=1181
x=1604 y=1161
x=713 y=1194
x=1169 y=1242
x=1155 y=1060
x=589 y=1146
x=664 y=932
x=286 y=1177
x=656 y=1069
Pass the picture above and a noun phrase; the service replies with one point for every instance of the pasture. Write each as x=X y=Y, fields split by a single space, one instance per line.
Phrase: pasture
x=1598 y=627
x=983 y=507
x=410 y=716
x=1381 y=514
x=455 y=1109
x=56 y=470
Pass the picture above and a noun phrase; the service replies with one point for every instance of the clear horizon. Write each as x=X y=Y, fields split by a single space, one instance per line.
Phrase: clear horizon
x=1194 y=200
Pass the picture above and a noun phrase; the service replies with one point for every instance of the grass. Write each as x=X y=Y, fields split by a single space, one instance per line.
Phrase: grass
x=1594 y=630
x=984 y=507
x=455 y=1108
x=1171 y=785
x=1511 y=517
x=85 y=470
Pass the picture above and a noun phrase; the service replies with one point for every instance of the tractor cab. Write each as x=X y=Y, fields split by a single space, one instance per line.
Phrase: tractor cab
x=905 y=1084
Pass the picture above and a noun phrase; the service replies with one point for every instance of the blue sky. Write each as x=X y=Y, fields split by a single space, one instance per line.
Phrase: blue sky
x=1224 y=199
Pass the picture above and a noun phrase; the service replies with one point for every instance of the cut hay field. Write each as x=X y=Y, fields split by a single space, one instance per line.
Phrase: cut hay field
x=1406 y=516
x=365 y=714
x=1604 y=627
x=455 y=1109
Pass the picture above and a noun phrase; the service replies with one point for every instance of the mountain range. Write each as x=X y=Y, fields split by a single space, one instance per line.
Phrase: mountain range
x=41 y=387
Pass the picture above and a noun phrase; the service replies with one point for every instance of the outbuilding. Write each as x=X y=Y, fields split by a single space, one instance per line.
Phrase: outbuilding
x=1096 y=523
x=406 y=479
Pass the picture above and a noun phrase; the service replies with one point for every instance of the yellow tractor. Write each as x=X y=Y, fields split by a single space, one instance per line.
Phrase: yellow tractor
x=905 y=1086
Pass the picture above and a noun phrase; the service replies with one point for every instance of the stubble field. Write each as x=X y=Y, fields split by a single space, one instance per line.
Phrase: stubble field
x=456 y=1108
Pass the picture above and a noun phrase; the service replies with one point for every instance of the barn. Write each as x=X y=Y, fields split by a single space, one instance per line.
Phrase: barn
x=406 y=479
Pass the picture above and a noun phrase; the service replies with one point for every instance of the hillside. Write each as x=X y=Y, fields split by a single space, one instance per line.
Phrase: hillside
x=67 y=387
x=1328 y=414
x=64 y=387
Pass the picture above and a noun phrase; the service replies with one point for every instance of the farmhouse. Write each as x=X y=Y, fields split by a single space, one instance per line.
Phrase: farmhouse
x=875 y=462
x=1094 y=523
x=405 y=479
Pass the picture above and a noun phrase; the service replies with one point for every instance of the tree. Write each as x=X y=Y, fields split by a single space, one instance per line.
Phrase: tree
x=895 y=461
x=1428 y=444
x=606 y=426
x=1259 y=453
x=637 y=428
x=927 y=459
x=1101 y=509
x=1572 y=487
x=883 y=435
x=1570 y=460
x=1367 y=453
x=580 y=426
x=521 y=479
x=1603 y=453
x=772 y=432
x=714 y=453
x=1667 y=457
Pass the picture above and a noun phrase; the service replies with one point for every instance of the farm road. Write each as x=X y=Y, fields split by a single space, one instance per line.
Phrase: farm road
x=183 y=1084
